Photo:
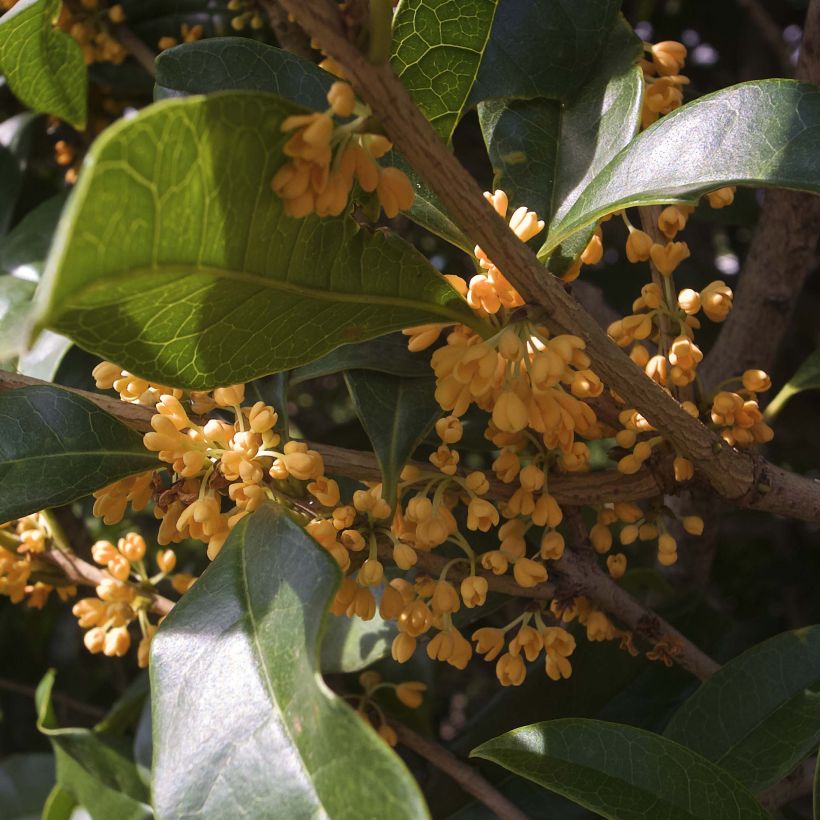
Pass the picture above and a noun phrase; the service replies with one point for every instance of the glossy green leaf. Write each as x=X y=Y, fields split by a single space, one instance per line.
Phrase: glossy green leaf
x=43 y=65
x=15 y=309
x=397 y=414
x=437 y=50
x=759 y=716
x=543 y=48
x=208 y=282
x=26 y=245
x=621 y=772
x=243 y=724
x=806 y=377
x=544 y=153
x=763 y=133
x=237 y=63
x=25 y=783
x=95 y=769
x=56 y=446
x=59 y=805
x=387 y=354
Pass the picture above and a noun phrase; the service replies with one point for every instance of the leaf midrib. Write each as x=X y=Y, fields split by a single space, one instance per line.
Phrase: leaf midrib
x=260 y=281
x=72 y=453
x=268 y=682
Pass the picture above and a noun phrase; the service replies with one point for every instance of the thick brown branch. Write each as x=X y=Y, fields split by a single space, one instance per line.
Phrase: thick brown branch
x=776 y=490
x=781 y=256
x=733 y=474
x=466 y=776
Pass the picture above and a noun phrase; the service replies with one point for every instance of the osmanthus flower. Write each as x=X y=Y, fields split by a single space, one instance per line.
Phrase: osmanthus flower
x=327 y=157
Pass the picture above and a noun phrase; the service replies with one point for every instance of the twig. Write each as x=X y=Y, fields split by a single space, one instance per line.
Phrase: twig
x=781 y=256
x=771 y=32
x=732 y=473
x=289 y=35
x=578 y=573
x=71 y=703
x=136 y=48
x=81 y=572
x=466 y=776
x=795 y=784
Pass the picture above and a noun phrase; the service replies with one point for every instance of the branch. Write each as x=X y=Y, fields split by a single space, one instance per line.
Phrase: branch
x=777 y=491
x=136 y=48
x=81 y=572
x=289 y=36
x=579 y=574
x=466 y=776
x=771 y=32
x=781 y=256
x=732 y=473
x=796 y=784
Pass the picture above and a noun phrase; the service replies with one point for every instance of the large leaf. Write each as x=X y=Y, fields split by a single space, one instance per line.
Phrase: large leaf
x=437 y=50
x=237 y=63
x=621 y=772
x=56 y=446
x=243 y=724
x=545 y=153
x=396 y=414
x=25 y=783
x=176 y=261
x=15 y=307
x=762 y=133
x=43 y=66
x=759 y=716
x=93 y=768
x=806 y=377
x=387 y=354
x=543 y=48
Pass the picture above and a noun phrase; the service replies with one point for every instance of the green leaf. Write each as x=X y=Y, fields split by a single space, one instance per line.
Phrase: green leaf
x=544 y=153
x=807 y=377
x=763 y=133
x=242 y=722
x=25 y=783
x=43 y=65
x=26 y=245
x=45 y=357
x=759 y=716
x=59 y=805
x=621 y=772
x=56 y=447
x=237 y=63
x=15 y=309
x=437 y=50
x=397 y=414
x=95 y=769
x=543 y=49
x=387 y=354
x=208 y=282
